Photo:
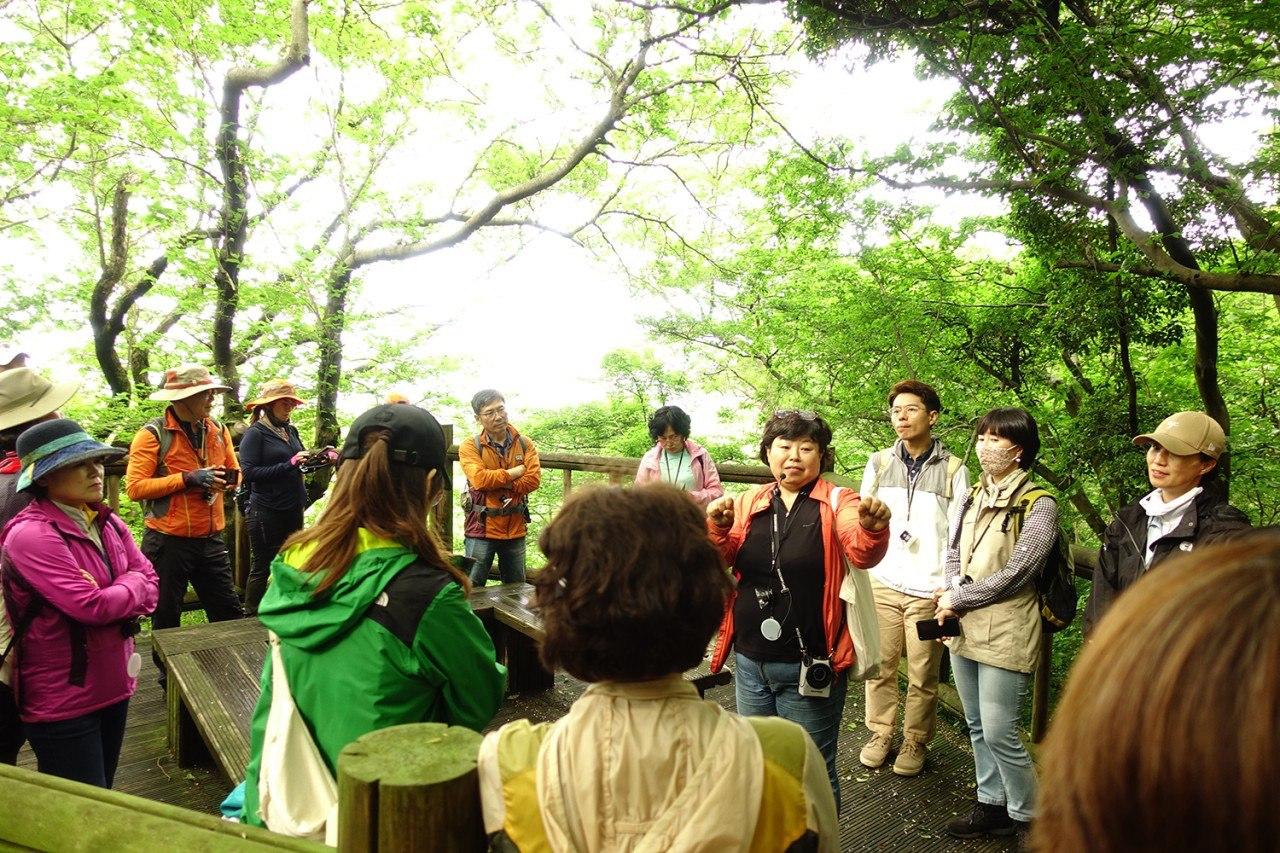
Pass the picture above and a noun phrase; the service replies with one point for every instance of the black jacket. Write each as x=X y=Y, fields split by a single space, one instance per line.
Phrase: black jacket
x=1124 y=544
x=264 y=461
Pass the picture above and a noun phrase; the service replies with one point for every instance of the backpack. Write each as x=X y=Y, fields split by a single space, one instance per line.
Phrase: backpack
x=1056 y=582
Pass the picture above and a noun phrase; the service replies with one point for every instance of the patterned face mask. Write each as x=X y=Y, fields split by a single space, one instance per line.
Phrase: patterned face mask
x=996 y=461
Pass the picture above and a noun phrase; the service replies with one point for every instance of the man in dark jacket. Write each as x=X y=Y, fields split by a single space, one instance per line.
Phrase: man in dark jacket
x=1184 y=509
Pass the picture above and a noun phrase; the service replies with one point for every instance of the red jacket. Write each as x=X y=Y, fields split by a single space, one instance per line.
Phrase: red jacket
x=486 y=470
x=840 y=530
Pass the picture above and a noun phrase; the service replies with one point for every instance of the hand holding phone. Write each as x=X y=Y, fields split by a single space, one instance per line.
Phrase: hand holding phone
x=930 y=629
x=230 y=476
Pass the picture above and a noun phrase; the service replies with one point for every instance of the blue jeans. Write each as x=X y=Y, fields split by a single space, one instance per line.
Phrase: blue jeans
x=992 y=699
x=510 y=554
x=768 y=689
x=84 y=748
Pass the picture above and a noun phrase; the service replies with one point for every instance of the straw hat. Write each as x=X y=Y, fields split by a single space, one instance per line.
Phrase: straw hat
x=27 y=396
x=185 y=381
x=275 y=389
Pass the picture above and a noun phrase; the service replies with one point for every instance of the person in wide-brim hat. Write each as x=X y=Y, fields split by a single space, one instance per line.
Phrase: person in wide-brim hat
x=184 y=381
x=26 y=396
x=51 y=445
x=275 y=389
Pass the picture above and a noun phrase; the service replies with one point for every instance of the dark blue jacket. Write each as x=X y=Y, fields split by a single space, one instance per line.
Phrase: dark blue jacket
x=264 y=461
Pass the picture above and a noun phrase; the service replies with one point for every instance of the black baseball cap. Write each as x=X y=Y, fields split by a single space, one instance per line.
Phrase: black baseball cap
x=416 y=437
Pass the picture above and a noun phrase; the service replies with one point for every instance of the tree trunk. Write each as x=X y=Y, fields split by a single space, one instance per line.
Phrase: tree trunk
x=329 y=373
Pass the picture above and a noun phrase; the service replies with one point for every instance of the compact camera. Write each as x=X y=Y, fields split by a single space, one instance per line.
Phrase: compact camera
x=816 y=676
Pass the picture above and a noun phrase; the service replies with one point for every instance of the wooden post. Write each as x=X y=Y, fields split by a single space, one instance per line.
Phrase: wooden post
x=240 y=554
x=411 y=787
x=113 y=492
x=444 y=510
x=567 y=477
x=615 y=479
x=1040 y=693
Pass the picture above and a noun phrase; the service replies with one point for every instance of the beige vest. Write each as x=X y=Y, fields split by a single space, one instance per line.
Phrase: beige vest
x=1007 y=633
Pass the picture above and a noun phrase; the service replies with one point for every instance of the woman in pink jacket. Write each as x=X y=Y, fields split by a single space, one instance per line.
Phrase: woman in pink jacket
x=677 y=460
x=75 y=584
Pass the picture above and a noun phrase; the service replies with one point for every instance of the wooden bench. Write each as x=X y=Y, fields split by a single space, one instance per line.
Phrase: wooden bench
x=39 y=812
x=215 y=673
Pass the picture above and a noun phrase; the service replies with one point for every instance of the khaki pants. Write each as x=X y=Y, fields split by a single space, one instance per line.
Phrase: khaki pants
x=898 y=614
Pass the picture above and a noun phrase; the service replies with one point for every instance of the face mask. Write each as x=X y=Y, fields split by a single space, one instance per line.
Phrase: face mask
x=996 y=461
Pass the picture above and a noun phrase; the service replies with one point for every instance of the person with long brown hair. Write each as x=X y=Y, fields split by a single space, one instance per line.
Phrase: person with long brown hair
x=372 y=615
x=1167 y=736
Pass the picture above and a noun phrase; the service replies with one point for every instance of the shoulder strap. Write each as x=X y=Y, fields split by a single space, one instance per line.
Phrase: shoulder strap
x=406 y=598
x=1025 y=501
x=8 y=572
x=835 y=497
x=164 y=439
x=782 y=742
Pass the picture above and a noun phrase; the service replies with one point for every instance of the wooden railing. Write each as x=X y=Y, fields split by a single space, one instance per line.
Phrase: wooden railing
x=620 y=469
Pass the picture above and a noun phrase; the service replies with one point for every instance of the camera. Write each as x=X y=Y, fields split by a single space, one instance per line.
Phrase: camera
x=130 y=627
x=816 y=677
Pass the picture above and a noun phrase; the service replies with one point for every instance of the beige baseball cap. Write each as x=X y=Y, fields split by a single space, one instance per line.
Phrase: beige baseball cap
x=1187 y=433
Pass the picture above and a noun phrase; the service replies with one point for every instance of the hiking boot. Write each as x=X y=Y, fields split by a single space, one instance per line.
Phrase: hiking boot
x=984 y=819
x=876 y=751
x=910 y=758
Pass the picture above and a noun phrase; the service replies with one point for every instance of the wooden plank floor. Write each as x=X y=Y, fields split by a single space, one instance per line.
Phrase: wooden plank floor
x=882 y=812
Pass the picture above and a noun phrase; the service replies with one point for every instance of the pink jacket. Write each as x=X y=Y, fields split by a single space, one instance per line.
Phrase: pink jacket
x=49 y=552
x=706 y=479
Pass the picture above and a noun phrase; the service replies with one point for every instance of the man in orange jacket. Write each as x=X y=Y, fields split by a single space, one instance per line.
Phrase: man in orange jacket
x=180 y=466
x=502 y=468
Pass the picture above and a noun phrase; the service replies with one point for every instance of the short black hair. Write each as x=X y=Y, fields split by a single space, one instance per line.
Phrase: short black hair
x=797 y=424
x=669 y=416
x=1018 y=426
x=927 y=395
x=480 y=399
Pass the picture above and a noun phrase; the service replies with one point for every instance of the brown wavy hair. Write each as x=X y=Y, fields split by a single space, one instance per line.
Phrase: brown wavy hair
x=633 y=588
x=389 y=500
x=1168 y=734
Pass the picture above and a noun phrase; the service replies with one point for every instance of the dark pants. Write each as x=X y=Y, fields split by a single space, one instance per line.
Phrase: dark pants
x=203 y=561
x=268 y=528
x=85 y=748
x=11 y=734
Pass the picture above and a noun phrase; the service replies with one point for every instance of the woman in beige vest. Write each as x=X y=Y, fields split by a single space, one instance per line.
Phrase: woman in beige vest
x=990 y=569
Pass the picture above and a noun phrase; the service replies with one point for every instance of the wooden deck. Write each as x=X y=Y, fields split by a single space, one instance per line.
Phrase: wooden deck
x=882 y=812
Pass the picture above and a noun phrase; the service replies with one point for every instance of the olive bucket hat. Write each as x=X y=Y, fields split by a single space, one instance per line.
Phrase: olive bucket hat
x=50 y=445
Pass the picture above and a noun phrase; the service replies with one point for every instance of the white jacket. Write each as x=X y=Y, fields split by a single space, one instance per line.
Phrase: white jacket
x=926 y=509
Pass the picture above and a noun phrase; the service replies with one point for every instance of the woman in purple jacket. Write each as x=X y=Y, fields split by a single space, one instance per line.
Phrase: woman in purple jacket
x=677 y=460
x=75 y=584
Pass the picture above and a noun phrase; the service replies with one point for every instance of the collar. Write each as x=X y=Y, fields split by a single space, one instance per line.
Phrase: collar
x=674 y=686
x=1000 y=494
x=1157 y=507
x=916 y=460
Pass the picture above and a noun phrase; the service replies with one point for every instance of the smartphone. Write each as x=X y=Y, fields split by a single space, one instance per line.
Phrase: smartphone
x=929 y=629
x=231 y=476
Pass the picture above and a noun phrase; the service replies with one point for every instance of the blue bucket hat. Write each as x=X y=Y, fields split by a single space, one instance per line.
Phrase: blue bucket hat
x=50 y=445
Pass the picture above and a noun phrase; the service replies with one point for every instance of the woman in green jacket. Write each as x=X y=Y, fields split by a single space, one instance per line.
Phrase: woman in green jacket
x=372 y=616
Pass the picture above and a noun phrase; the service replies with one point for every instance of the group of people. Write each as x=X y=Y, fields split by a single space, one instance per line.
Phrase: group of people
x=806 y=584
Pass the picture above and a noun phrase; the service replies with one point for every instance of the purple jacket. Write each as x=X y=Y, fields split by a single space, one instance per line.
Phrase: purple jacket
x=49 y=551
x=706 y=479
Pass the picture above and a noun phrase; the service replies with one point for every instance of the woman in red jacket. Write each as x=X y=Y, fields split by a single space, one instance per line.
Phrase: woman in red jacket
x=74 y=584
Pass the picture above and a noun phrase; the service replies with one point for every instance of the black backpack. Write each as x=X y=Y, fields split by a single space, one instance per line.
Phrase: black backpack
x=1056 y=581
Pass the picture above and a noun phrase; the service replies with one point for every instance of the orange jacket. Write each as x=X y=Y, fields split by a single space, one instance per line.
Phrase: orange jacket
x=179 y=511
x=840 y=531
x=486 y=470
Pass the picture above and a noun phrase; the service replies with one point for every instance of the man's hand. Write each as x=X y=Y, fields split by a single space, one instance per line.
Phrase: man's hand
x=720 y=511
x=204 y=478
x=517 y=472
x=873 y=514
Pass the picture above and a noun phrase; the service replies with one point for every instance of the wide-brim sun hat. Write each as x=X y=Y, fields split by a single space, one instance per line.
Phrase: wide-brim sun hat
x=276 y=389
x=417 y=438
x=27 y=396
x=1186 y=434
x=186 y=381
x=50 y=445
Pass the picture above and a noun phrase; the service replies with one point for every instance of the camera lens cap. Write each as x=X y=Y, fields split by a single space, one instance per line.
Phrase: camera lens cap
x=771 y=629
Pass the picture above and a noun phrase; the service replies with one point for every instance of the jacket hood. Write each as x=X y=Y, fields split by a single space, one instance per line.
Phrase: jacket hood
x=46 y=511
x=291 y=609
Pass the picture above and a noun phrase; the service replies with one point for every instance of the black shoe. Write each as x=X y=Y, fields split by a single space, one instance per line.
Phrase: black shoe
x=1022 y=833
x=983 y=819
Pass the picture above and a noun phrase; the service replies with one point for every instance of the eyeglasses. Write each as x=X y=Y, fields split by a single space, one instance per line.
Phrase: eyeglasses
x=909 y=411
x=493 y=413
x=802 y=414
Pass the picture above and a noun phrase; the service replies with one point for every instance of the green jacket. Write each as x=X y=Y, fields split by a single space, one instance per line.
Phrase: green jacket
x=350 y=675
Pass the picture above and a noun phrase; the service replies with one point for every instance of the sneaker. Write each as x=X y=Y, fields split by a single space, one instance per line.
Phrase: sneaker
x=910 y=758
x=876 y=751
x=984 y=819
